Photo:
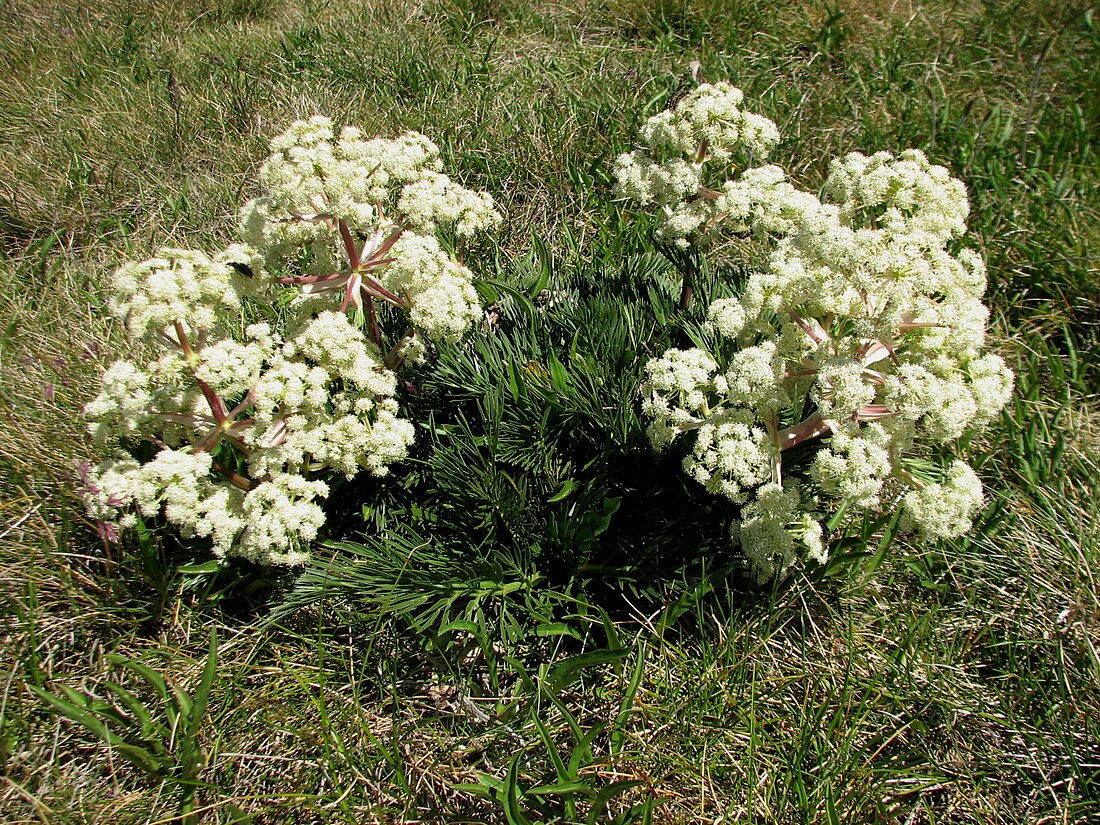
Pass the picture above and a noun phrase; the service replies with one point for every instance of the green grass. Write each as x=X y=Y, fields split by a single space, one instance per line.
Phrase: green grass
x=956 y=683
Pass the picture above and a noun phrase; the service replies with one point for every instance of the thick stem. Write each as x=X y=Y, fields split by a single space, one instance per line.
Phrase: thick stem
x=372 y=287
x=812 y=427
x=801 y=373
x=184 y=344
x=372 y=319
x=813 y=330
x=186 y=419
x=217 y=407
x=873 y=412
x=234 y=478
x=349 y=244
x=873 y=376
x=907 y=477
x=701 y=151
x=394 y=360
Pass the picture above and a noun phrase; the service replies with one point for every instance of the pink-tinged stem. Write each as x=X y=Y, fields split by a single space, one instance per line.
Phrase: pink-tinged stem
x=374 y=263
x=372 y=319
x=812 y=427
x=873 y=376
x=817 y=335
x=246 y=402
x=393 y=359
x=236 y=479
x=801 y=373
x=209 y=441
x=701 y=152
x=277 y=433
x=904 y=475
x=686 y=293
x=312 y=279
x=866 y=302
x=217 y=407
x=348 y=295
x=324 y=217
x=187 y=419
x=236 y=441
x=229 y=427
x=873 y=350
x=349 y=244
x=184 y=344
x=373 y=289
x=387 y=244
x=873 y=412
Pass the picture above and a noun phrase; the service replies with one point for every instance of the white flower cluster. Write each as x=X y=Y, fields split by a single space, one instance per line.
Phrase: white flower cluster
x=389 y=199
x=444 y=303
x=183 y=286
x=320 y=401
x=249 y=427
x=855 y=355
x=706 y=136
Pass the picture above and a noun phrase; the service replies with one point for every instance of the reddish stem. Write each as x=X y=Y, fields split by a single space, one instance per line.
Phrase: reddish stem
x=817 y=336
x=873 y=412
x=372 y=319
x=812 y=427
x=217 y=407
x=236 y=479
x=349 y=244
x=372 y=288
x=801 y=373
x=184 y=344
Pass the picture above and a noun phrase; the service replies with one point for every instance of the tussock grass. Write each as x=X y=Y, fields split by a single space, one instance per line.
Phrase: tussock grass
x=955 y=683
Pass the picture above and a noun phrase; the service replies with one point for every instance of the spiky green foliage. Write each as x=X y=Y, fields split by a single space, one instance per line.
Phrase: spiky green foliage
x=532 y=447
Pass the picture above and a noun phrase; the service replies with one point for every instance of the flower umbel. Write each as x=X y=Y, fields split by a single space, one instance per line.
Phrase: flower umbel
x=249 y=428
x=855 y=351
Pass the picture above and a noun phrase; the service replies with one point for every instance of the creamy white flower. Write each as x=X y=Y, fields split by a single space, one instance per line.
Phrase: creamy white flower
x=310 y=182
x=727 y=316
x=333 y=343
x=435 y=200
x=860 y=340
x=447 y=309
x=110 y=489
x=178 y=286
x=680 y=371
x=944 y=511
x=124 y=404
x=942 y=407
x=755 y=379
x=230 y=368
x=762 y=532
x=853 y=468
x=991 y=383
x=282 y=517
x=899 y=194
x=841 y=389
x=731 y=458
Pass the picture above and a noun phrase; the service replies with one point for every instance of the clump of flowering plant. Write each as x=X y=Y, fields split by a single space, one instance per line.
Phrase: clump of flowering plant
x=849 y=364
x=248 y=425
